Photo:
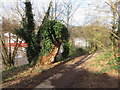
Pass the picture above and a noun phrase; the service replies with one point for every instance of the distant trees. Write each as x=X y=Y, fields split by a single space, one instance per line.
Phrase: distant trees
x=9 y=24
x=97 y=35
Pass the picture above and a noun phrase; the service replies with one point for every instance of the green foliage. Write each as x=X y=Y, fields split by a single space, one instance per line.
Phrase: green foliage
x=46 y=41
x=28 y=35
x=53 y=31
x=29 y=17
x=50 y=32
x=66 y=49
x=110 y=63
x=118 y=59
x=46 y=47
x=61 y=31
x=75 y=52
x=30 y=38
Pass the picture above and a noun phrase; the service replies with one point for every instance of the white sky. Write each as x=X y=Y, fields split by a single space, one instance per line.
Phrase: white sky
x=83 y=15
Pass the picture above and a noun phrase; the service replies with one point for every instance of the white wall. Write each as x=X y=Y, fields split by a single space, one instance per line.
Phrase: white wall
x=80 y=42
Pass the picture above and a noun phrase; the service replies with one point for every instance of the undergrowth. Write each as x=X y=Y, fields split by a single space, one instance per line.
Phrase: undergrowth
x=107 y=62
x=12 y=73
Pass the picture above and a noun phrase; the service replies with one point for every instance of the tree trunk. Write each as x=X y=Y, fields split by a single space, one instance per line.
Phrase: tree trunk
x=119 y=47
x=50 y=57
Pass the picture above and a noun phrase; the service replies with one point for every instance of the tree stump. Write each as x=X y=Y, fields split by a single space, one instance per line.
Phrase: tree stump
x=50 y=57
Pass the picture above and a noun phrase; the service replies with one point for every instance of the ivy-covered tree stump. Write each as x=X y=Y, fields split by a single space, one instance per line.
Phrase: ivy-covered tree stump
x=47 y=41
x=54 y=33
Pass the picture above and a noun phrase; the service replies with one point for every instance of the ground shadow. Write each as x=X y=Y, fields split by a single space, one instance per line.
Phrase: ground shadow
x=71 y=77
x=84 y=79
x=15 y=70
x=74 y=77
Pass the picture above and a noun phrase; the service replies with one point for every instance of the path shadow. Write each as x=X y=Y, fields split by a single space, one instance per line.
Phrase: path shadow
x=15 y=70
x=74 y=77
x=83 y=79
x=71 y=77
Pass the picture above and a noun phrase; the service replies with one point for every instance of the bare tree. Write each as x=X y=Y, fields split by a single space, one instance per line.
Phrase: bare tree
x=70 y=7
x=8 y=55
x=9 y=24
x=116 y=14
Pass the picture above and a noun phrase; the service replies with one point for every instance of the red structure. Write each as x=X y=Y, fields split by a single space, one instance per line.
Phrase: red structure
x=14 y=44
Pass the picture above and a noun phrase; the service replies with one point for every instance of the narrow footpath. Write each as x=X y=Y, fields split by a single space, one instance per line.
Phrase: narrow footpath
x=74 y=74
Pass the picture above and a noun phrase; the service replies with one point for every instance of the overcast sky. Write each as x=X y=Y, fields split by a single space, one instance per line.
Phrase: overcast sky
x=88 y=9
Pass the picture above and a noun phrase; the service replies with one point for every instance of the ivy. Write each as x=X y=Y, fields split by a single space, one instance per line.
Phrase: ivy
x=53 y=31
x=50 y=32
x=27 y=34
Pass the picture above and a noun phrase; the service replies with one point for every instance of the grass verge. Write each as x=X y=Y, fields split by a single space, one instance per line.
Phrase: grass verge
x=106 y=63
